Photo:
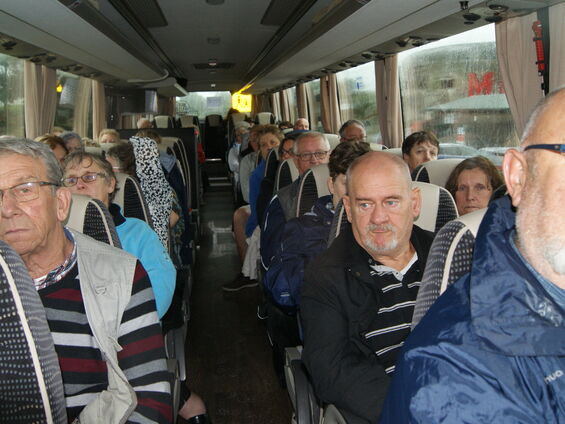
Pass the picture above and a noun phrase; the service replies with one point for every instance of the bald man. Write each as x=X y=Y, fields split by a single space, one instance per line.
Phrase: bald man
x=492 y=348
x=358 y=296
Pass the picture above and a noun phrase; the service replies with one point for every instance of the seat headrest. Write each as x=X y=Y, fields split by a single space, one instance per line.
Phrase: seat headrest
x=286 y=174
x=89 y=216
x=339 y=222
x=129 y=198
x=436 y=171
x=312 y=186
x=95 y=150
x=395 y=151
x=333 y=139
x=272 y=160
x=438 y=207
x=264 y=118
x=163 y=121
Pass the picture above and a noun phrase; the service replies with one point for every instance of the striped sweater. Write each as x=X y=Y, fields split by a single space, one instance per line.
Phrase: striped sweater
x=142 y=357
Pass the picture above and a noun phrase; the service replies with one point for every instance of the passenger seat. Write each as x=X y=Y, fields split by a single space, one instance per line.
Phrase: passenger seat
x=436 y=171
x=286 y=174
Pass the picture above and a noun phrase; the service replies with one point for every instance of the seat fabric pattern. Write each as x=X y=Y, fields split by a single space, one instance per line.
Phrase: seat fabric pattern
x=134 y=206
x=284 y=176
x=447 y=209
x=308 y=194
x=99 y=224
x=339 y=222
x=442 y=254
x=420 y=173
x=32 y=388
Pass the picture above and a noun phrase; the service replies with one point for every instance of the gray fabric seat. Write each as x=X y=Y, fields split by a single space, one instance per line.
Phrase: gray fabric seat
x=89 y=216
x=312 y=186
x=32 y=387
x=436 y=171
x=130 y=198
x=449 y=259
x=286 y=174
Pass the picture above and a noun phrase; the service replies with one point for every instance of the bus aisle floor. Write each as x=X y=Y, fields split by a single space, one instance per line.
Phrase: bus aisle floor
x=229 y=356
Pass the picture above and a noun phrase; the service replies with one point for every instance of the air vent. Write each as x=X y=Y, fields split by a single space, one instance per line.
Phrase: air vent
x=148 y=12
x=207 y=66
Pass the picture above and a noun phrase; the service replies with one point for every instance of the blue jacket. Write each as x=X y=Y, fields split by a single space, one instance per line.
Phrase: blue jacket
x=492 y=347
x=254 y=186
x=302 y=240
x=141 y=241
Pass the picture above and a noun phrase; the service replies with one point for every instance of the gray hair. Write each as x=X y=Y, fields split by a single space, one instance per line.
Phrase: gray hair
x=310 y=134
x=69 y=135
x=36 y=150
x=347 y=124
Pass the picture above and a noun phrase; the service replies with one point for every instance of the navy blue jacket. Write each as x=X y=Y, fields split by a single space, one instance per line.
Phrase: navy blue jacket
x=303 y=239
x=492 y=347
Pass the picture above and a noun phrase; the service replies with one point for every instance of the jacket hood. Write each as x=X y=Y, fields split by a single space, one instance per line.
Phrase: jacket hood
x=510 y=310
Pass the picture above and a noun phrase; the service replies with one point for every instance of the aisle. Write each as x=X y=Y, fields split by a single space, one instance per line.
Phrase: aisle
x=229 y=357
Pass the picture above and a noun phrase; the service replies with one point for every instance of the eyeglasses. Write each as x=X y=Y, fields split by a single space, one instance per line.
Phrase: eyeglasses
x=306 y=157
x=25 y=192
x=557 y=148
x=287 y=152
x=86 y=178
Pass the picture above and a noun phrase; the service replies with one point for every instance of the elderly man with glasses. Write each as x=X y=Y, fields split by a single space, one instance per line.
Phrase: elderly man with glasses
x=98 y=300
x=492 y=347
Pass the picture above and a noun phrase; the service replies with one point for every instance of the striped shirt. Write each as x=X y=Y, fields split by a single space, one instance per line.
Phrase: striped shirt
x=142 y=357
x=398 y=290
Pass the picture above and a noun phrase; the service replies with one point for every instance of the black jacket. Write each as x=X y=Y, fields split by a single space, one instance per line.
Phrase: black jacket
x=340 y=301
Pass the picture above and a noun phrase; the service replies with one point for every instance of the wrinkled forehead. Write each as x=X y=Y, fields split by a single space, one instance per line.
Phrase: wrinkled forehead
x=311 y=144
x=12 y=162
x=381 y=175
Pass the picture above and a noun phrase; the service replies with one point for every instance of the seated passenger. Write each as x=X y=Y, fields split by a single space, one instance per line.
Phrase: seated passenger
x=108 y=135
x=301 y=124
x=98 y=299
x=143 y=123
x=352 y=130
x=419 y=147
x=90 y=174
x=472 y=183
x=358 y=296
x=72 y=140
x=492 y=348
x=310 y=149
x=303 y=239
x=56 y=144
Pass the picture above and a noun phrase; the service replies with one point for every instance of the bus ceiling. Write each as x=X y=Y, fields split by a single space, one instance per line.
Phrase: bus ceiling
x=177 y=45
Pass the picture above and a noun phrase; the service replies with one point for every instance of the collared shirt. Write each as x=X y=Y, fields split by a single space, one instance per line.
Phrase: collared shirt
x=58 y=273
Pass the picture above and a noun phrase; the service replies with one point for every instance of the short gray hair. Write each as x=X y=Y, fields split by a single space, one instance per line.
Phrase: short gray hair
x=69 y=135
x=310 y=134
x=36 y=150
x=347 y=124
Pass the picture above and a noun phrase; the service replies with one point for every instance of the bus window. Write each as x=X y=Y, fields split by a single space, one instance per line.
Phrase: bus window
x=204 y=103
x=453 y=88
x=291 y=95
x=357 y=98
x=74 y=104
x=313 y=95
x=11 y=96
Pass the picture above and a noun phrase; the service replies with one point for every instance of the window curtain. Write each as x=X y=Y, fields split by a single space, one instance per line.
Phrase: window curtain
x=82 y=107
x=388 y=101
x=329 y=104
x=302 y=102
x=557 y=48
x=40 y=99
x=285 y=106
x=276 y=105
x=98 y=108
x=345 y=98
x=517 y=62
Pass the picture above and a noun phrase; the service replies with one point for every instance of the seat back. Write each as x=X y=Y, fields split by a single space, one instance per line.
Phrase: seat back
x=164 y=121
x=286 y=174
x=264 y=118
x=435 y=171
x=377 y=147
x=130 y=198
x=339 y=222
x=32 y=387
x=333 y=139
x=176 y=147
x=438 y=207
x=450 y=258
x=186 y=121
x=314 y=184
x=395 y=151
x=272 y=161
x=89 y=216
x=96 y=150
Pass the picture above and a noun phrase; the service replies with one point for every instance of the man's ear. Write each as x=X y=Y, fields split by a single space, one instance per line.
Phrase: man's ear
x=416 y=202
x=64 y=197
x=330 y=183
x=515 y=169
x=347 y=205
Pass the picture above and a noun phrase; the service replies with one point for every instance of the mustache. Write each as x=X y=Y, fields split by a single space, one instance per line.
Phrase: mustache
x=381 y=227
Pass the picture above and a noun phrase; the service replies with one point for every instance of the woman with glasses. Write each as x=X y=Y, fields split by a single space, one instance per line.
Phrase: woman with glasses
x=472 y=183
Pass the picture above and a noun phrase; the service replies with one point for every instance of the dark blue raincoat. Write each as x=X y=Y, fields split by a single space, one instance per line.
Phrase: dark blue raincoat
x=491 y=349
